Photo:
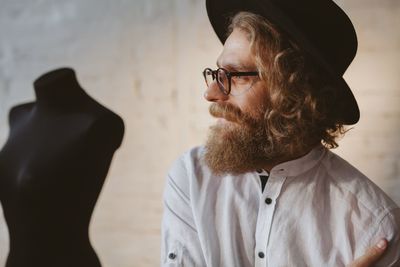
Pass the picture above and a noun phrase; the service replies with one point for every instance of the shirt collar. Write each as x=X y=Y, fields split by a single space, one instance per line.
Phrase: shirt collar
x=300 y=165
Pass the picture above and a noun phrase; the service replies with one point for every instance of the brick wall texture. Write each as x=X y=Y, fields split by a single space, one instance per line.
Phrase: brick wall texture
x=143 y=59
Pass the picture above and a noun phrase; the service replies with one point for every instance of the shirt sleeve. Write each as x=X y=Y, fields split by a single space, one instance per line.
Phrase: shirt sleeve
x=387 y=227
x=180 y=245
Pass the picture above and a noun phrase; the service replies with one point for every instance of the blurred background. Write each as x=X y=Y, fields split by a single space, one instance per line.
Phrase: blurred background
x=143 y=59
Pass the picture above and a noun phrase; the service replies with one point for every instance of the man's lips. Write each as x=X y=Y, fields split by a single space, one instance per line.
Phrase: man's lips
x=226 y=111
x=229 y=113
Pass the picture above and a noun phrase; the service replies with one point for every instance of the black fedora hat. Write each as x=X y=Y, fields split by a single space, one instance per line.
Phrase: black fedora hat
x=319 y=27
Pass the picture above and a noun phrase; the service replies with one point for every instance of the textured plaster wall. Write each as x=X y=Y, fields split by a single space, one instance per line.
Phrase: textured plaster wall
x=143 y=59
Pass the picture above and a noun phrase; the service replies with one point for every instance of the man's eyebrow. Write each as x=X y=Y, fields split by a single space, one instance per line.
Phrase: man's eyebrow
x=236 y=67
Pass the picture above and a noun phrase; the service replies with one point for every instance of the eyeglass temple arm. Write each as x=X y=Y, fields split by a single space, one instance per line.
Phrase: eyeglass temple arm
x=246 y=73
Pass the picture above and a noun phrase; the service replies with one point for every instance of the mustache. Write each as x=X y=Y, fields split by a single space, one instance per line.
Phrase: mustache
x=231 y=113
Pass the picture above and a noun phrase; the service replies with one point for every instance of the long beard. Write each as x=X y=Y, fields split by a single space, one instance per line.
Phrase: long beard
x=238 y=146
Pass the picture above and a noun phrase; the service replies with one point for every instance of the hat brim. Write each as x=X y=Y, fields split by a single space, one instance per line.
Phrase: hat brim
x=220 y=13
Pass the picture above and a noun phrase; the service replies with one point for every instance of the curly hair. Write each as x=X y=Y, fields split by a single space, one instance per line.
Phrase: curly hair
x=301 y=95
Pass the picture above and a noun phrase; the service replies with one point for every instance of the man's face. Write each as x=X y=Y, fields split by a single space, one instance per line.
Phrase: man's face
x=238 y=142
x=237 y=56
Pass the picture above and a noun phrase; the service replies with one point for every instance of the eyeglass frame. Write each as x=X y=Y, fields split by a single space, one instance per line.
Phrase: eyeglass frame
x=229 y=75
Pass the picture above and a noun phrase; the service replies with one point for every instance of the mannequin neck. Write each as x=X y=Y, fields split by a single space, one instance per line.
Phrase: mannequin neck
x=59 y=88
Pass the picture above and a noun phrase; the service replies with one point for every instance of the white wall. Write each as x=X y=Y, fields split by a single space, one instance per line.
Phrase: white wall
x=143 y=59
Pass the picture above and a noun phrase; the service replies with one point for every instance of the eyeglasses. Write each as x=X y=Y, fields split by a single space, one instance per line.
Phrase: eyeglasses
x=229 y=82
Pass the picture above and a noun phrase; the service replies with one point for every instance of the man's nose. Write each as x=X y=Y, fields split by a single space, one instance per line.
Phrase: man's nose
x=214 y=94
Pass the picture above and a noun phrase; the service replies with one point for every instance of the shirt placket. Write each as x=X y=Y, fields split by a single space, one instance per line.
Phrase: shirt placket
x=265 y=218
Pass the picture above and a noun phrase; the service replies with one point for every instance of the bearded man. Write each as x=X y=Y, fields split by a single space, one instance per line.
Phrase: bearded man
x=266 y=190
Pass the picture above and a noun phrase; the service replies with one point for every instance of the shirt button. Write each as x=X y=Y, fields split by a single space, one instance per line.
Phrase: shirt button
x=172 y=256
x=261 y=254
x=268 y=200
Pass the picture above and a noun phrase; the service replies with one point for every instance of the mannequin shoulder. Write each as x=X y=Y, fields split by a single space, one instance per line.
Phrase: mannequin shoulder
x=111 y=121
x=105 y=117
x=19 y=112
x=107 y=127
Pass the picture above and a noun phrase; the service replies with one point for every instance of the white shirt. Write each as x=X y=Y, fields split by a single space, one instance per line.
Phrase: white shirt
x=321 y=212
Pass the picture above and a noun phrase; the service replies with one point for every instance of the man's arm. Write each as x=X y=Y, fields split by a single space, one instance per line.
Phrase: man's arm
x=180 y=245
x=388 y=227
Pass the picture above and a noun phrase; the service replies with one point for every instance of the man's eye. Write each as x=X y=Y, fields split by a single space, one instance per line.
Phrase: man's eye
x=240 y=79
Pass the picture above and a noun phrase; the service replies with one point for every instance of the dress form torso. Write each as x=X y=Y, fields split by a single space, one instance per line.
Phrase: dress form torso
x=52 y=169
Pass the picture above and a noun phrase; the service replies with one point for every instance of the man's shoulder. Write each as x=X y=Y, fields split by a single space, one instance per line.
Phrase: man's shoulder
x=188 y=166
x=340 y=166
x=351 y=183
x=190 y=159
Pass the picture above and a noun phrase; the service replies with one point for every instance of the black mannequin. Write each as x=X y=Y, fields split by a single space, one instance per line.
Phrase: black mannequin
x=52 y=169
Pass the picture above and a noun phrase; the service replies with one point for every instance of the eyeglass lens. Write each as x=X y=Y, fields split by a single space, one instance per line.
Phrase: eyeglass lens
x=220 y=76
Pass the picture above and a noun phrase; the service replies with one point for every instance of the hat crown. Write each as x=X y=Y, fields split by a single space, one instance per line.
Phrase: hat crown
x=325 y=27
